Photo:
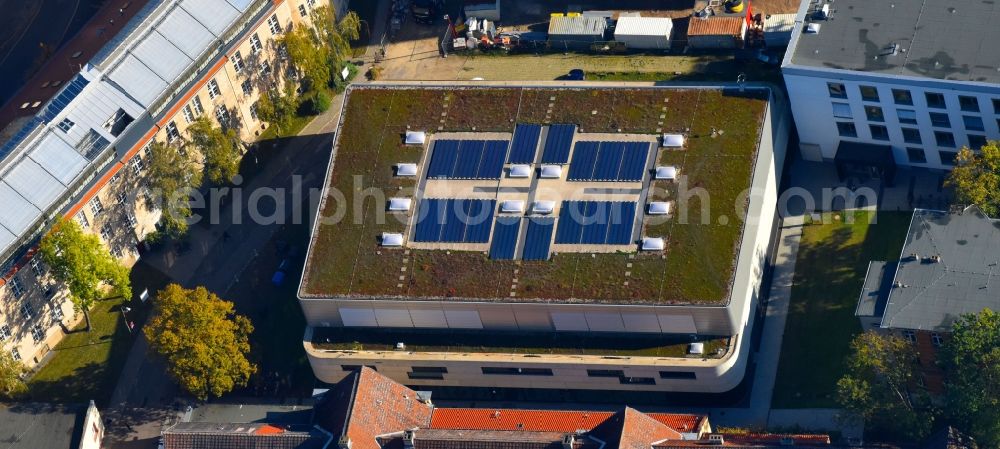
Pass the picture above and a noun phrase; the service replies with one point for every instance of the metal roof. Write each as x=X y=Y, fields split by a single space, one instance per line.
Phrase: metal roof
x=878 y=282
x=929 y=293
x=940 y=39
x=577 y=25
x=36 y=425
x=779 y=23
x=643 y=26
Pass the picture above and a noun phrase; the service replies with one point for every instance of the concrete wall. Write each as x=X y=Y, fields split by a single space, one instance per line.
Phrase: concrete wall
x=92 y=431
x=812 y=107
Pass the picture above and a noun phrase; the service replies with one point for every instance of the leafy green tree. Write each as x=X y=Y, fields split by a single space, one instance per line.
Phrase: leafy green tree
x=220 y=148
x=11 y=383
x=276 y=108
x=971 y=361
x=976 y=178
x=79 y=260
x=877 y=387
x=172 y=175
x=335 y=35
x=321 y=102
x=203 y=340
x=308 y=56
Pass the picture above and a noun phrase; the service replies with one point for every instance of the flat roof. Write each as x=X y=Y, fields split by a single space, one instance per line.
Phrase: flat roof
x=948 y=267
x=938 y=39
x=345 y=260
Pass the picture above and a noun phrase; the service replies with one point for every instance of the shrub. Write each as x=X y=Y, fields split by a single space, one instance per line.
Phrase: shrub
x=320 y=102
x=374 y=73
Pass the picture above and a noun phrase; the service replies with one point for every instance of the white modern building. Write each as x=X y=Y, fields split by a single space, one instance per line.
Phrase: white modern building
x=909 y=82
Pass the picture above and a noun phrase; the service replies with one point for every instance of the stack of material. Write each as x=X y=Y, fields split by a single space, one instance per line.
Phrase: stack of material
x=716 y=32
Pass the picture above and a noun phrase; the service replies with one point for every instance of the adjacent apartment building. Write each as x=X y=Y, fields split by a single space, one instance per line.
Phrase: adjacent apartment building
x=904 y=82
x=82 y=155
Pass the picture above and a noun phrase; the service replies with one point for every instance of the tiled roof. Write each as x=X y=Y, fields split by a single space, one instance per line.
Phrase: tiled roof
x=715 y=25
x=631 y=429
x=380 y=406
x=200 y=435
x=543 y=420
x=490 y=439
x=752 y=440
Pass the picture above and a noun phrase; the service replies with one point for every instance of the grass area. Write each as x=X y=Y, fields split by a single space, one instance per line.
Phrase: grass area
x=829 y=275
x=339 y=338
x=86 y=365
x=698 y=267
x=721 y=71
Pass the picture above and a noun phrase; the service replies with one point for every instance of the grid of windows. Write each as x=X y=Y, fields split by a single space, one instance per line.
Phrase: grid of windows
x=96 y=206
x=37 y=333
x=65 y=125
x=837 y=90
x=213 y=89
x=868 y=93
x=846 y=129
x=115 y=177
x=137 y=164
x=196 y=104
x=302 y=11
x=172 y=132
x=947 y=157
x=265 y=68
x=237 y=62
x=874 y=114
x=940 y=120
x=907 y=116
x=996 y=105
x=57 y=313
x=222 y=114
x=255 y=45
x=968 y=104
x=842 y=110
x=976 y=141
x=247 y=87
x=27 y=312
x=130 y=218
x=4 y=332
x=106 y=232
x=973 y=123
x=253 y=110
x=16 y=288
x=944 y=139
x=82 y=219
x=188 y=114
x=934 y=100
x=937 y=340
x=902 y=96
x=910 y=336
x=15 y=354
x=879 y=132
x=273 y=25
x=911 y=135
x=37 y=267
x=122 y=197
x=916 y=155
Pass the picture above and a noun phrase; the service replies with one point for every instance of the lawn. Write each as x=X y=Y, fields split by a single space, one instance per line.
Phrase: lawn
x=829 y=274
x=340 y=338
x=86 y=365
x=347 y=260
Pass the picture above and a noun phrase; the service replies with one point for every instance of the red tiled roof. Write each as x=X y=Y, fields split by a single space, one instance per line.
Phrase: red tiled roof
x=713 y=26
x=754 y=440
x=380 y=406
x=543 y=420
x=631 y=429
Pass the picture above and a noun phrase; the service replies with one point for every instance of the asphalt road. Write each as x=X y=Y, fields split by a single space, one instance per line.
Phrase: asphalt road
x=53 y=22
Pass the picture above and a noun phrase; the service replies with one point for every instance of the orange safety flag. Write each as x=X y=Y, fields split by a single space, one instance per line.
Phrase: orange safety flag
x=749 y=14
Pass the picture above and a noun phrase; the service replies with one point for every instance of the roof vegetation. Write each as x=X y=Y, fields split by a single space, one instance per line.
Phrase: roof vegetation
x=697 y=267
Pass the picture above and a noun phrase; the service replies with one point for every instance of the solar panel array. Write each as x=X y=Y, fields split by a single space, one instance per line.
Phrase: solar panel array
x=505 y=238
x=454 y=220
x=525 y=144
x=467 y=159
x=608 y=161
x=557 y=144
x=538 y=238
x=596 y=222
x=72 y=89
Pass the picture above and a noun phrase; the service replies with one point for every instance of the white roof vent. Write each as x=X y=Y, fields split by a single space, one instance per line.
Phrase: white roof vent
x=399 y=204
x=543 y=207
x=668 y=172
x=653 y=244
x=512 y=207
x=392 y=239
x=696 y=348
x=673 y=140
x=519 y=171
x=416 y=137
x=406 y=169
x=812 y=28
x=659 y=208
x=551 y=172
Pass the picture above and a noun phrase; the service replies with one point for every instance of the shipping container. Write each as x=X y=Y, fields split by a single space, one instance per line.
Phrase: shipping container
x=576 y=32
x=644 y=32
x=778 y=29
x=716 y=32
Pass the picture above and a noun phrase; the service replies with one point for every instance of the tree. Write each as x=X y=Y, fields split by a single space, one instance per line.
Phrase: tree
x=976 y=178
x=276 y=108
x=308 y=55
x=971 y=361
x=877 y=387
x=220 y=148
x=80 y=261
x=335 y=35
x=172 y=176
x=318 y=52
x=204 y=342
x=11 y=383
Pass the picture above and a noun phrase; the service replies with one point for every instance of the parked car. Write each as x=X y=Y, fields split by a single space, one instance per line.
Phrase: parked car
x=576 y=75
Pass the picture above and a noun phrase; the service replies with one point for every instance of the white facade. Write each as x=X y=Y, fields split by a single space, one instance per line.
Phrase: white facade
x=644 y=32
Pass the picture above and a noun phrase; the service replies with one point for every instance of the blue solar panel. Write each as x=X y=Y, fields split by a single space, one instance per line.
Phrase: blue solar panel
x=633 y=161
x=430 y=218
x=622 y=220
x=609 y=159
x=505 y=238
x=491 y=164
x=584 y=157
x=443 y=158
x=595 y=225
x=72 y=89
x=538 y=238
x=522 y=150
x=479 y=220
x=557 y=144
x=28 y=127
x=456 y=215
x=571 y=216
x=469 y=154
